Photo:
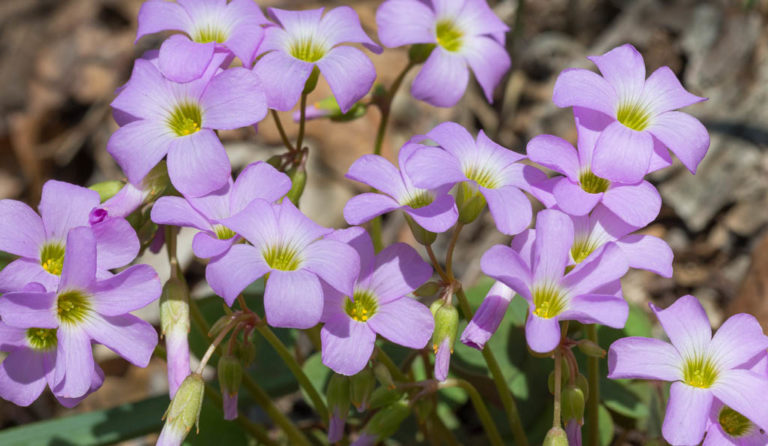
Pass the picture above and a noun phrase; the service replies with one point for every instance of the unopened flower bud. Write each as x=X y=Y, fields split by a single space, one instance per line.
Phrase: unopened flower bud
x=246 y=352
x=174 y=324
x=572 y=400
x=361 y=388
x=384 y=423
x=421 y=235
x=230 y=373
x=470 y=202
x=383 y=396
x=338 y=397
x=446 y=327
x=556 y=437
x=298 y=177
x=382 y=374
x=589 y=348
x=107 y=189
x=275 y=161
x=157 y=183
x=419 y=52
x=565 y=375
x=311 y=83
x=583 y=384
x=183 y=412
x=429 y=289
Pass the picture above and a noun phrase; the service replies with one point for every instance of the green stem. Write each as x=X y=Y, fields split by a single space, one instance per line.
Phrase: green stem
x=386 y=108
x=558 y=388
x=376 y=234
x=449 y=254
x=256 y=430
x=593 y=403
x=295 y=436
x=295 y=368
x=281 y=130
x=302 y=121
x=510 y=407
x=480 y=409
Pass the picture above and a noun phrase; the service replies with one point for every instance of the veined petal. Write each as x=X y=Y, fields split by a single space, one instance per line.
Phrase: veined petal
x=647 y=252
x=687 y=412
x=293 y=299
x=74 y=362
x=438 y=216
x=398 y=270
x=247 y=33
x=234 y=98
x=159 y=15
x=12 y=338
x=64 y=206
x=478 y=19
x=182 y=60
x=576 y=87
x=215 y=205
x=21 y=229
x=21 y=272
x=377 y=172
x=510 y=208
x=551 y=249
x=574 y=200
x=442 y=80
x=744 y=391
x=505 y=265
x=350 y=74
x=554 y=153
x=405 y=22
x=637 y=204
x=364 y=207
x=432 y=168
x=347 y=345
x=663 y=92
x=198 y=164
x=297 y=227
x=601 y=270
x=335 y=262
x=340 y=25
x=231 y=273
x=258 y=180
x=589 y=126
x=488 y=317
x=79 y=268
x=644 y=358
x=686 y=325
x=257 y=222
x=22 y=377
x=739 y=340
x=623 y=67
x=488 y=60
x=138 y=146
x=127 y=335
x=358 y=238
x=283 y=78
x=604 y=309
x=685 y=136
x=116 y=243
x=147 y=95
x=622 y=154
x=404 y=321
x=542 y=334
x=177 y=211
x=456 y=140
x=297 y=22
x=29 y=309
x=129 y=290
x=205 y=245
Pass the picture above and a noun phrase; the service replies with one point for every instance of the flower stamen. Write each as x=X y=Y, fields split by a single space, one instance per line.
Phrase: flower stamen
x=52 y=258
x=186 y=119
x=362 y=306
x=448 y=35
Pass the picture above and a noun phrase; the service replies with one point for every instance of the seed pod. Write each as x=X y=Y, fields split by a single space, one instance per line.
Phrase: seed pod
x=382 y=374
x=386 y=422
x=470 y=202
x=428 y=289
x=421 y=235
x=183 y=412
x=556 y=437
x=362 y=386
x=573 y=403
x=298 y=177
x=591 y=349
x=446 y=323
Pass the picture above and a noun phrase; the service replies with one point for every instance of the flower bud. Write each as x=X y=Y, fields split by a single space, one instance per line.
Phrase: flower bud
x=382 y=374
x=572 y=400
x=589 y=348
x=157 y=183
x=311 y=83
x=338 y=397
x=446 y=327
x=174 y=324
x=565 y=375
x=384 y=423
x=418 y=53
x=230 y=373
x=107 y=189
x=246 y=352
x=275 y=161
x=583 y=384
x=556 y=437
x=183 y=412
x=488 y=317
x=298 y=177
x=429 y=289
x=421 y=235
x=361 y=388
x=383 y=396
x=470 y=202
x=573 y=431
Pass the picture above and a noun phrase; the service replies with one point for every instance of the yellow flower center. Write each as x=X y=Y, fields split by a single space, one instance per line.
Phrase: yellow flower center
x=73 y=306
x=419 y=199
x=282 y=258
x=699 y=371
x=449 y=36
x=592 y=183
x=362 y=306
x=52 y=257
x=483 y=176
x=186 y=119
x=209 y=33
x=307 y=50
x=634 y=115
x=223 y=232
x=549 y=301
x=582 y=248
x=42 y=339
x=734 y=423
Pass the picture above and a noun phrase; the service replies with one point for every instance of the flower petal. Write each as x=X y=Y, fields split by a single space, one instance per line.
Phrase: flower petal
x=247 y=34
x=341 y=25
x=22 y=377
x=405 y=322
x=177 y=211
x=623 y=67
x=347 y=345
x=457 y=141
x=432 y=168
x=398 y=270
x=685 y=136
x=129 y=290
x=364 y=207
x=377 y=172
x=510 y=208
x=488 y=60
x=127 y=335
x=21 y=229
x=138 y=146
x=577 y=87
x=554 y=153
x=257 y=222
x=739 y=340
x=601 y=270
x=644 y=358
x=205 y=246
x=293 y=299
x=488 y=317
x=231 y=273
x=283 y=78
x=505 y=265
x=542 y=334
x=358 y=238
x=443 y=360
x=182 y=60
x=687 y=412
x=198 y=164
x=147 y=95
x=442 y=80
x=74 y=362
x=663 y=92
x=438 y=216
x=234 y=98
x=647 y=252
x=159 y=15
x=604 y=309
x=79 y=269
x=296 y=226
x=335 y=262
x=64 y=206
x=637 y=204
x=551 y=249
x=258 y=180
x=29 y=309
x=350 y=74
x=622 y=154
x=404 y=22
x=686 y=325
x=744 y=391
x=116 y=243
x=574 y=200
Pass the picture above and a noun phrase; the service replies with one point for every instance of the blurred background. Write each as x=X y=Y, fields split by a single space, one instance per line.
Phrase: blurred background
x=61 y=61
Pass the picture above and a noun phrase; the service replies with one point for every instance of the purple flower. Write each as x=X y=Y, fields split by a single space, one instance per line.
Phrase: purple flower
x=482 y=163
x=122 y=204
x=85 y=309
x=488 y=317
x=580 y=190
x=307 y=39
x=552 y=294
x=466 y=33
x=258 y=180
x=234 y=26
x=433 y=209
x=725 y=426
x=378 y=305
x=39 y=240
x=700 y=366
x=637 y=114
x=179 y=120
x=289 y=247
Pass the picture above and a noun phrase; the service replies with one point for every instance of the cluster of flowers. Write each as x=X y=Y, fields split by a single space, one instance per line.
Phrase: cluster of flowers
x=62 y=293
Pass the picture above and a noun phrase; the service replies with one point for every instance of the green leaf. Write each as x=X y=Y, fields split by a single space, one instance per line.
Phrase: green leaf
x=606 y=426
x=93 y=428
x=318 y=375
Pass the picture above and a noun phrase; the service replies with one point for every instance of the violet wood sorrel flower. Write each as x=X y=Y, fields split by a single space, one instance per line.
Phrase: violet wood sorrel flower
x=486 y=171
x=700 y=366
x=553 y=294
x=488 y=317
x=85 y=309
x=233 y=26
x=258 y=180
x=433 y=209
x=465 y=34
x=178 y=120
x=638 y=112
x=308 y=40
x=39 y=240
x=580 y=190
x=378 y=305
x=287 y=246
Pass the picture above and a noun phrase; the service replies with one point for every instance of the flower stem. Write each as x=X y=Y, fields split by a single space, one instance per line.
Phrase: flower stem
x=386 y=108
x=295 y=436
x=449 y=254
x=558 y=388
x=510 y=407
x=302 y=121
x=256 y=430
x=211 y=348
x=482 y=411
x=436 y=264
x=281 y=130
x=375 y=228
x=593 y=404
x=295 y=368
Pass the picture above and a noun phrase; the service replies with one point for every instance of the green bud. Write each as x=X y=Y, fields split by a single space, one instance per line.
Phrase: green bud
x=421 y=235
x=275 y=161
x=589 y=348
x=387 y=421
x=583 y=384
x=382 y=374
x=219 y=325
x=338 y=393
x=446 y=323
x=246 y=352
x=298 y=177
x=556 y=437
x=361 y=388
x=157 y=182
x=357 y=111
x=146 y=232
x=429 y=289
x=470 y=202
x=184 y=410
x=572 y=401
x=419 y=52
x=174 y=306
x=383 y=396
x=230 y=374
x=309 y=87
x=565 y=375
x=107 y=189
x=424 y=407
